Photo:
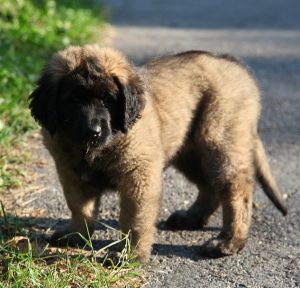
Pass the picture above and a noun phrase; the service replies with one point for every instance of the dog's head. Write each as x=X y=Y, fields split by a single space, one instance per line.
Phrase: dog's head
x=89 y=93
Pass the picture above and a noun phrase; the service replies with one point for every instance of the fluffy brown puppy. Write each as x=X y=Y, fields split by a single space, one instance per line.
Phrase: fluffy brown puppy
x=110 y=125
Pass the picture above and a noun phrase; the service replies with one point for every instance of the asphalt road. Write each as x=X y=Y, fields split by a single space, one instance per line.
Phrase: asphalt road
x=265 y=35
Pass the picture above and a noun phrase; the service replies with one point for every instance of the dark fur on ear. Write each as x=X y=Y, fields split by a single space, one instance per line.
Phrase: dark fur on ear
x=43 y=103
x=132 y=99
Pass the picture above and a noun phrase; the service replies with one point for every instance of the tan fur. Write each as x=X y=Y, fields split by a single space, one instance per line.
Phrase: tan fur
x=201 y=116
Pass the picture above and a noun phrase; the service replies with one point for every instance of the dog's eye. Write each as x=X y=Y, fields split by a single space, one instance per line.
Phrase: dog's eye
x=108 y=101
x=77 y=99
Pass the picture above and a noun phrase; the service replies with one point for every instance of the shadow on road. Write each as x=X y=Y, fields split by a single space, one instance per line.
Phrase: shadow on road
x=40 y=228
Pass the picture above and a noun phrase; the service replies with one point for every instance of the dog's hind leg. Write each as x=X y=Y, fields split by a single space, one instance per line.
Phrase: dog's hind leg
x=232 y=177
x=196 y=216
x=237 y=207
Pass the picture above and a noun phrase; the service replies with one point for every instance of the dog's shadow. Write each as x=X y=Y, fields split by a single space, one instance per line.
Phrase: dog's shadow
x=40 y=228
x=163 y=226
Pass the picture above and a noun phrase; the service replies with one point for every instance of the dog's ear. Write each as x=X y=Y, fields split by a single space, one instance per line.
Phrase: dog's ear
x=43 y=102
x=132 y=101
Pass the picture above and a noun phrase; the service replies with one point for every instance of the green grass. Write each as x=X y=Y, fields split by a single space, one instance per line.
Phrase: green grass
x=26 y=264
x=30 y=31
x=22 y=270
x=27 y=261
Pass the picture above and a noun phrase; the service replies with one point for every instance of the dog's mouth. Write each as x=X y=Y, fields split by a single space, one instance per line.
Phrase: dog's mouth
x=97 y=143
x=93 y=143
x=89 y=147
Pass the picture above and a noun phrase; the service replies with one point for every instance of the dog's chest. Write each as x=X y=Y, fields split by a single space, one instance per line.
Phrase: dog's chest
x=101 y=172
x=95 y=177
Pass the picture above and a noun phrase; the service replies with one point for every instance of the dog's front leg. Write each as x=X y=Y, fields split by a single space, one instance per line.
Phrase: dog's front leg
x=140 y=192
x=83 y=201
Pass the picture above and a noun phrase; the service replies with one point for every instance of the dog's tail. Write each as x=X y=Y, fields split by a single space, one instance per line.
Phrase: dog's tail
x=265 y=177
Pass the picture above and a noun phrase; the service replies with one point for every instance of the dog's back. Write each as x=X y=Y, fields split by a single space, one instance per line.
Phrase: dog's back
x=205 y=99
x=185 y=85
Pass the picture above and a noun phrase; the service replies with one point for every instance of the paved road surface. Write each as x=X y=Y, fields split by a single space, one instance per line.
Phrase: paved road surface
x=265 y=35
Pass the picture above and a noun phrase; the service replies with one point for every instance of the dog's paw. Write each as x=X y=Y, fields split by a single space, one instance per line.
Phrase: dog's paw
x=218 y=247
x=183 y=220
x=65 y=237
x=141 y=256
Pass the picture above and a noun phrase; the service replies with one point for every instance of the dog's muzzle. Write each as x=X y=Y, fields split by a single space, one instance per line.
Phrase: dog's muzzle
x=93 y=134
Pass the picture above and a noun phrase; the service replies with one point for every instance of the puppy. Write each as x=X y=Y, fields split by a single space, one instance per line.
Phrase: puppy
x=112 y=126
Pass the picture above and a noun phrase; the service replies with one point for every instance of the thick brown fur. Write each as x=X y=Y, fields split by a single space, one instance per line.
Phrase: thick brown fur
x=196 y=111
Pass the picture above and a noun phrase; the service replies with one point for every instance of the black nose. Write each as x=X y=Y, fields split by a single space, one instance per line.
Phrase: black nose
x=94 y=132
